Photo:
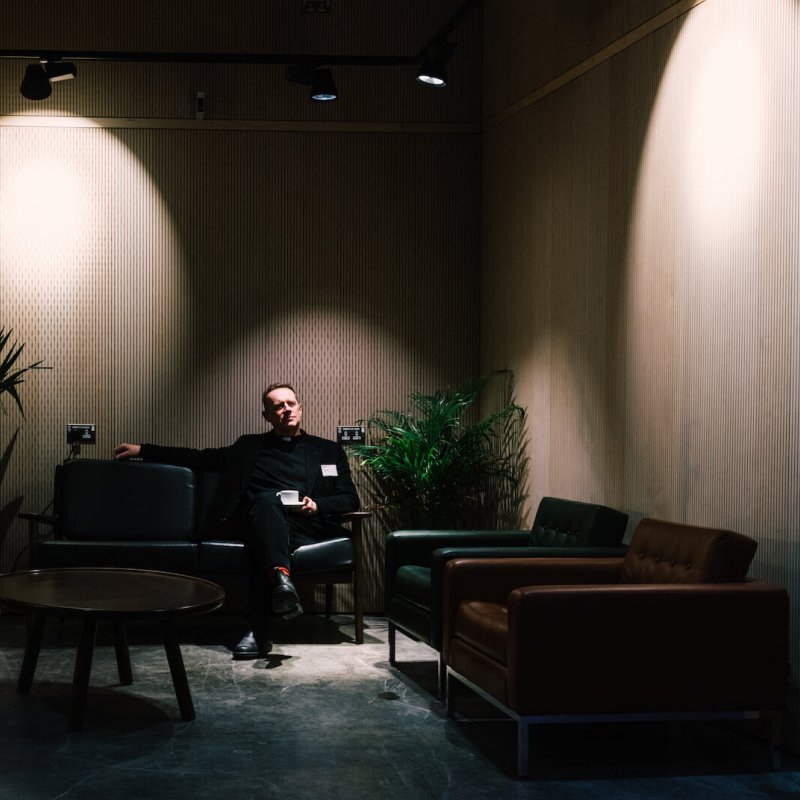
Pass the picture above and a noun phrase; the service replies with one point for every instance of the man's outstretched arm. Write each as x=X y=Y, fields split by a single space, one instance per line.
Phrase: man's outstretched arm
x=210 y=458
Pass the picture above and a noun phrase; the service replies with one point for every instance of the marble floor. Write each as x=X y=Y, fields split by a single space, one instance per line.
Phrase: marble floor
x=322 y=716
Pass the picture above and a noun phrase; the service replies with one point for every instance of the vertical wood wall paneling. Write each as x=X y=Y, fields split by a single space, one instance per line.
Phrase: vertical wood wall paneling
x=674 y=207
x=208 y=264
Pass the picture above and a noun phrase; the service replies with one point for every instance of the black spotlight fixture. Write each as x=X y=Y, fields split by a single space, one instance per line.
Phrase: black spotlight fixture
x=433 y=71
x=38 y=80
x=60 y=71
x=320 y=79
x=323 y=88
x=35 y=85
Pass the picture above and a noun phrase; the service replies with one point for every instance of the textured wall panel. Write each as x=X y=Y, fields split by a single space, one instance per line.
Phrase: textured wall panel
x=167 y=276
x=640 y=257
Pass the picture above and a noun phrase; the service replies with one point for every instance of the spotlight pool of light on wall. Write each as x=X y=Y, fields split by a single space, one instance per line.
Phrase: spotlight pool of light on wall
x=701 y=169
x=46 y=207
x=723 y=137
x=90 y=264
x=70 y=192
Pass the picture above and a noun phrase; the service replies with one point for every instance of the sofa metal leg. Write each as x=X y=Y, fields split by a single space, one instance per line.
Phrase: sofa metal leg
x=442 y=677
x=775 y=735
x=328 y=600
x=523 y=745
x=392 y=644
x=450 y=694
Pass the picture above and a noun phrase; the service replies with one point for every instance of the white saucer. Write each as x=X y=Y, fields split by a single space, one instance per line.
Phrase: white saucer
x=292 y=506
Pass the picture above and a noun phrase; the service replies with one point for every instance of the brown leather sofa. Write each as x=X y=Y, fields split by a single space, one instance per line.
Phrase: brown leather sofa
x=670 y=631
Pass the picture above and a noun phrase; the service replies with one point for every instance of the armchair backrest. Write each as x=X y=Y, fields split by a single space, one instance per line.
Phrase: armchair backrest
x=102 y=500
x=668 y=552
x=571 y=523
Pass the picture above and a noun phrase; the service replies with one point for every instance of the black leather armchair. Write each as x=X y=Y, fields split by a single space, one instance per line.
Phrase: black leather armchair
x=140 y=515
x=415 y=560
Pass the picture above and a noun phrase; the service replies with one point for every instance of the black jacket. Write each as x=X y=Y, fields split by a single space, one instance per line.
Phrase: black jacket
x=334 y=494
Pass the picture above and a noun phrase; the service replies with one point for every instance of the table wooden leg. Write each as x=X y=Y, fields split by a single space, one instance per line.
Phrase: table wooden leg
x=83 y=669
x=178 y=671
x=123 y=654
x=32 y=647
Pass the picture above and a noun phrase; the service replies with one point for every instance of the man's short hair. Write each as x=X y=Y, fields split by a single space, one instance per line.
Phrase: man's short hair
x=274 y=386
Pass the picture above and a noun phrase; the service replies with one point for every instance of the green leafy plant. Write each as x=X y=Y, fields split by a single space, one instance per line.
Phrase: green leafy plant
x=12 y=375
x=437 y=465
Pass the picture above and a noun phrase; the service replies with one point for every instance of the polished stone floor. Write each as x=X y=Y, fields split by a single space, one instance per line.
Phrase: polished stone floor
x=323 y=717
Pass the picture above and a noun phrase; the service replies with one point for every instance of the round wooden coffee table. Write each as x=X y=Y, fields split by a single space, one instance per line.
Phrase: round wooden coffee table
x=116 y=595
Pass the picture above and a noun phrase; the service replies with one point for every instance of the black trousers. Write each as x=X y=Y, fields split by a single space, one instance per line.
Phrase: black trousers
x=271 y=534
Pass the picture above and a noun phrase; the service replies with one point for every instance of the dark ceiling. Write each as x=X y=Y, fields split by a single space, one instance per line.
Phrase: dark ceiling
x=351 y=27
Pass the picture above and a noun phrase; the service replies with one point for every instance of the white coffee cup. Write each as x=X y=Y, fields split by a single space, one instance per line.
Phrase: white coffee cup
x=289 y=497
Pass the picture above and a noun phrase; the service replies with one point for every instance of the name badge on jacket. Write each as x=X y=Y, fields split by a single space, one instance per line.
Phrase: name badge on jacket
x=330 y=471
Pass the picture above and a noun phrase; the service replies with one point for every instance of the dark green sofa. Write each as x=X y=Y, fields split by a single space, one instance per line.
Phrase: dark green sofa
x=138 y=515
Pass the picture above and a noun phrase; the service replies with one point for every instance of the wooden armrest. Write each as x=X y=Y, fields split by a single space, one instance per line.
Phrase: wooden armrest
x=34 y=521
x=355 y=518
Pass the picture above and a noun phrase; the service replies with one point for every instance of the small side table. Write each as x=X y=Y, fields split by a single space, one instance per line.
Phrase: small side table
x=116 y=595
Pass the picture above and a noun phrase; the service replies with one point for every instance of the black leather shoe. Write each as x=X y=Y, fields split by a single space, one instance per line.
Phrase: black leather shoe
x=285 y=600
x=252 y=646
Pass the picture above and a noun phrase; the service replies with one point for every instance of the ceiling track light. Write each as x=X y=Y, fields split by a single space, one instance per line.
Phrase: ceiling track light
x=433 y=71
x=320 y=79
x=323 y=88
x=38 y=79
x=60 y=71
x=35 y=84
x=306 y=68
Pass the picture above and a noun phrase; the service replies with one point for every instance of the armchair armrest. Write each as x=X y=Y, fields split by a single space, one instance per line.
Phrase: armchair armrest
x=45 y=519
x=355 y=516
x=651 y=647
x=355 y=520
x=416 y=548
x=441 y=557
x=493 y=580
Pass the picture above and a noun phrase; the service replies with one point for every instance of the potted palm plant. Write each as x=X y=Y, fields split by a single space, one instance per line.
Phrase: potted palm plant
x=439 y=465
x=11 y=374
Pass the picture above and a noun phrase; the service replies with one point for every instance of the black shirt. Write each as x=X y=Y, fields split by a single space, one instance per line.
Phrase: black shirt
x=281 y=464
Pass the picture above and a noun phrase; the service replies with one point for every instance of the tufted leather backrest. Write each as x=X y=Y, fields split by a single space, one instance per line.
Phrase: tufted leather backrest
x=667 y=552
x=571 y=523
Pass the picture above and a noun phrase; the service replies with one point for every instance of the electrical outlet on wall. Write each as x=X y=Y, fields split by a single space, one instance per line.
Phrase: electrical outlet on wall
x=350 y=434
x=316 y=6
x=81 y=433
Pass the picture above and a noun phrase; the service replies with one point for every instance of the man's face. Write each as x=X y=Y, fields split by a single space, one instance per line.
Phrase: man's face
x=283 y=411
